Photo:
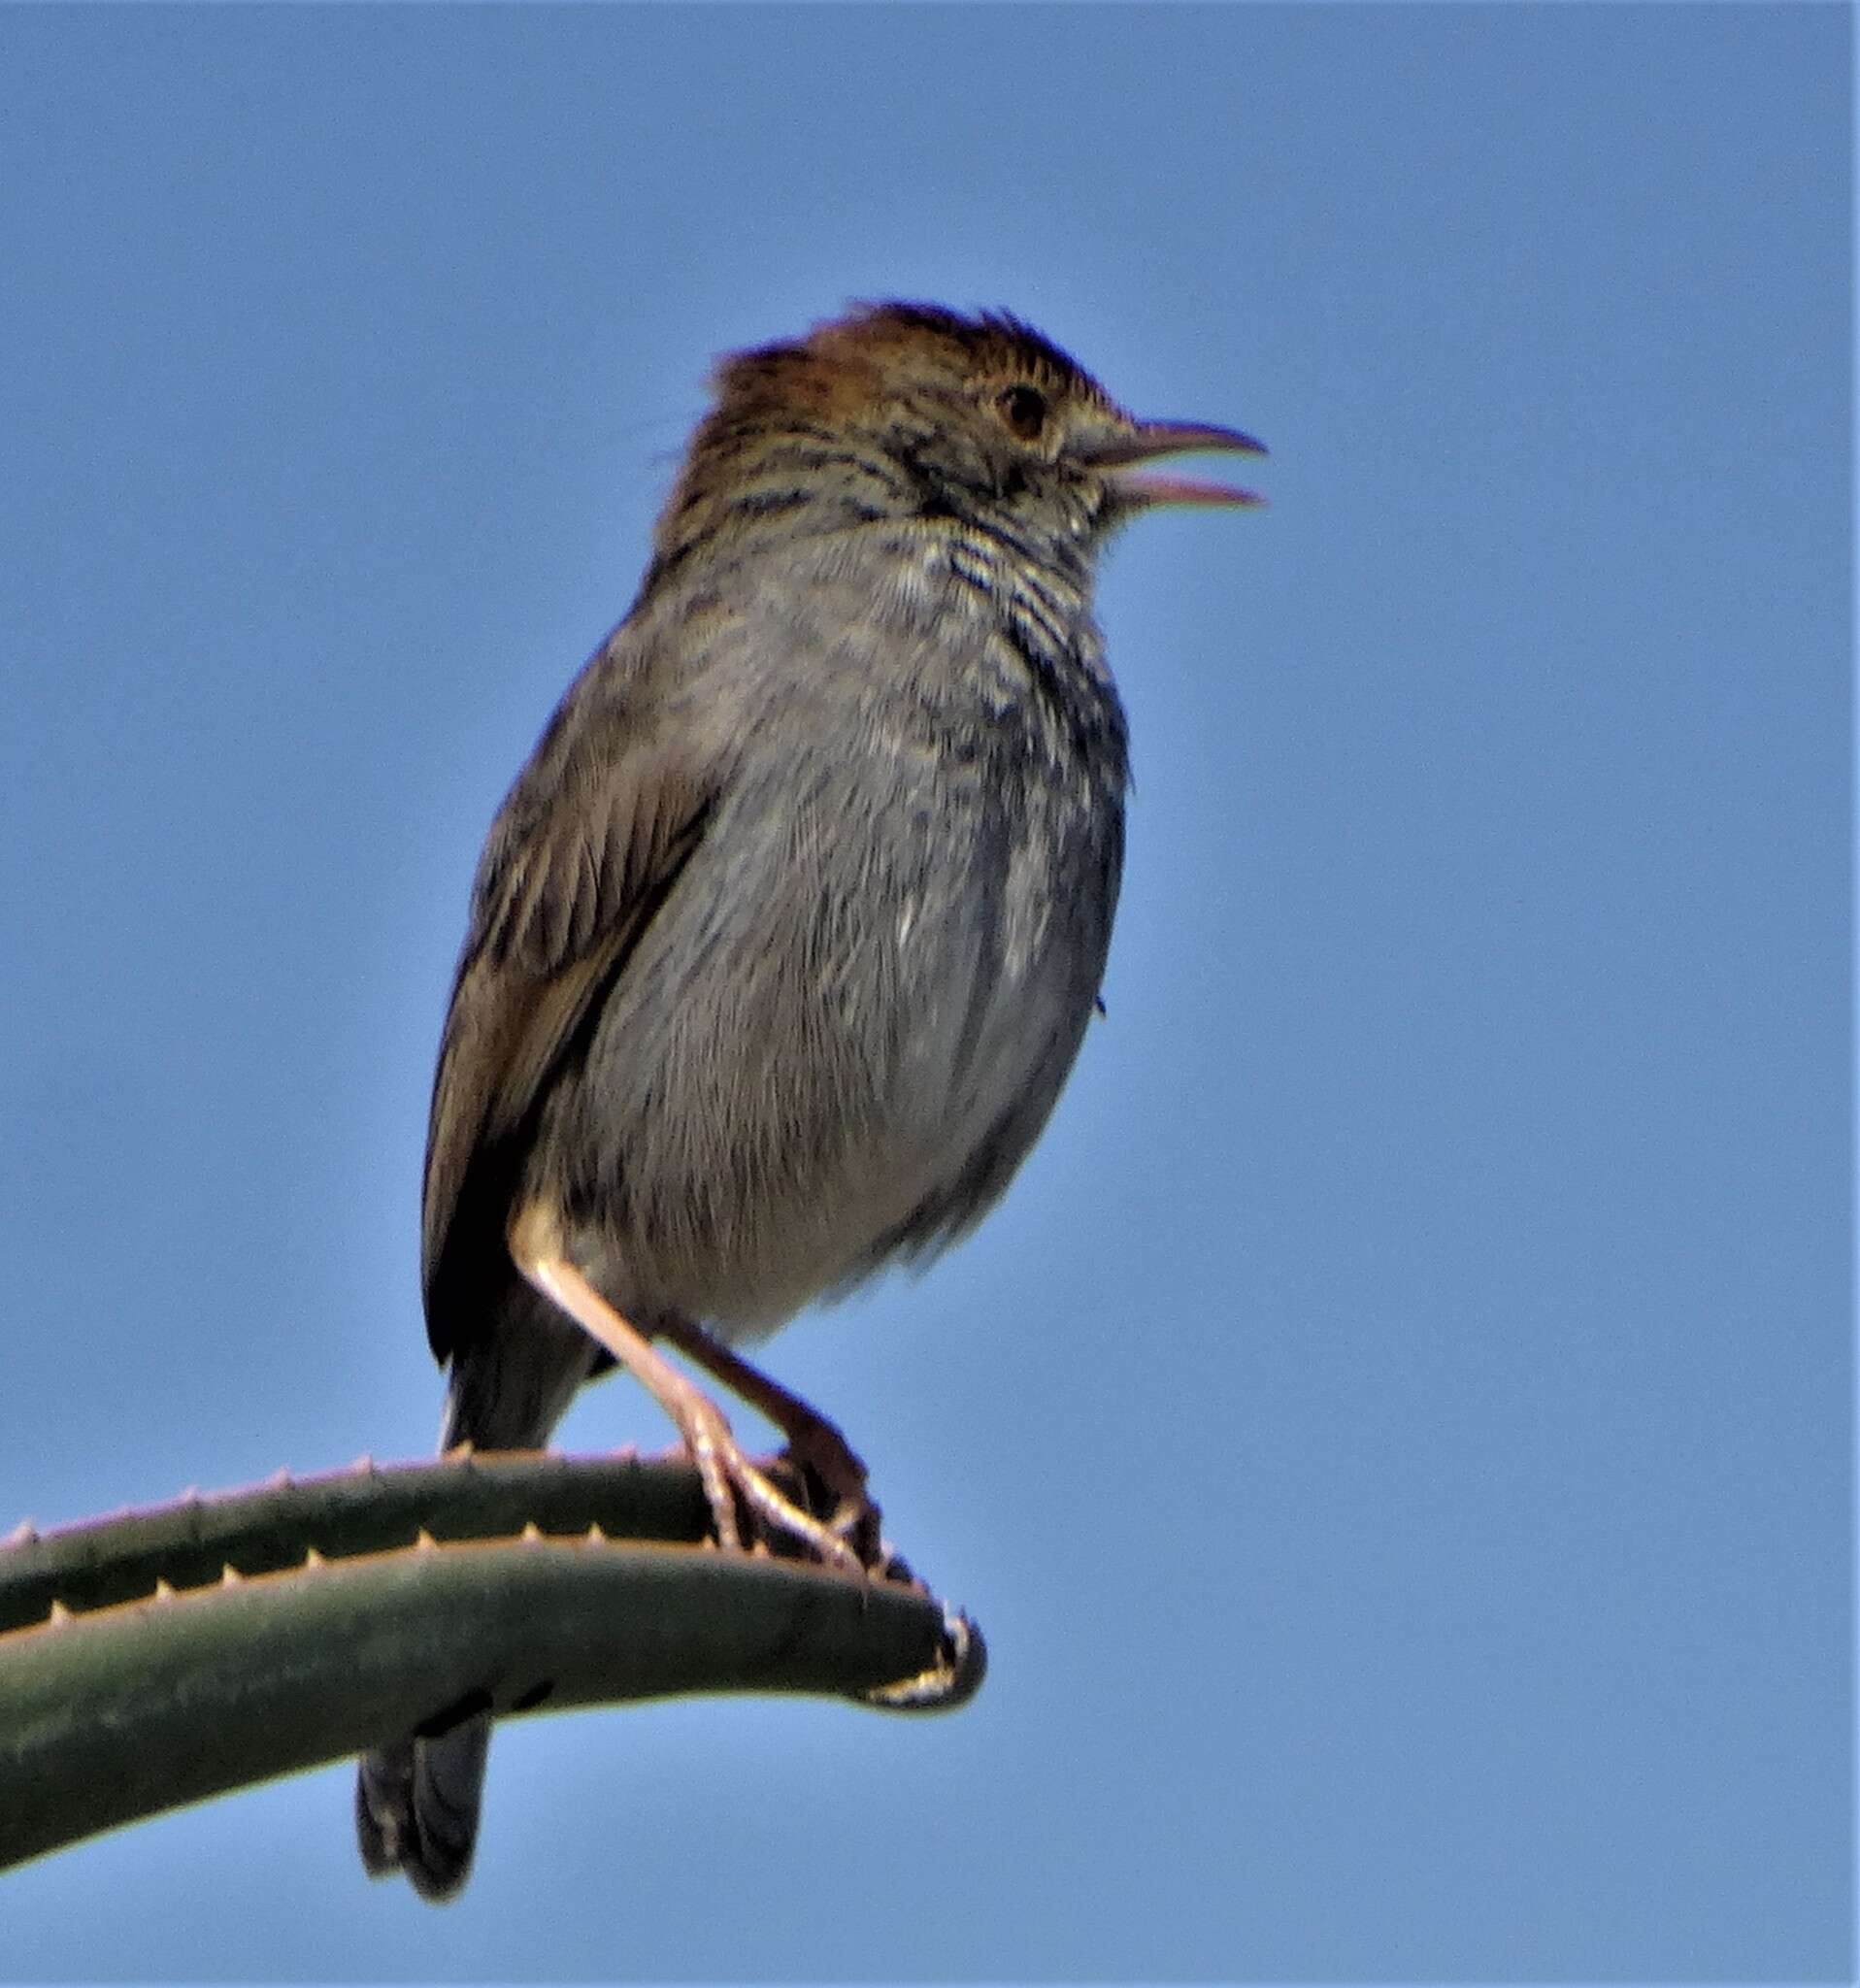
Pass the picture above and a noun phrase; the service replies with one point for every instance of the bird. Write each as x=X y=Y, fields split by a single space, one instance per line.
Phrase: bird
x=784 y=943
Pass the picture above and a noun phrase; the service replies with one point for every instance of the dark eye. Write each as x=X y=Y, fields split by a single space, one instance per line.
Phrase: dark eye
x=1024 y=409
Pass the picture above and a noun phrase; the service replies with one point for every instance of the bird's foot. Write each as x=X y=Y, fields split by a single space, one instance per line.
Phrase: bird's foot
x=832 y=1481
x=727 y=1474
x=841 y=1503
x=829 y=1477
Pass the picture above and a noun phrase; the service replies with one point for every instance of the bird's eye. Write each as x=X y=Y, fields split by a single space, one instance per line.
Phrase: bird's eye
x=1024 y=409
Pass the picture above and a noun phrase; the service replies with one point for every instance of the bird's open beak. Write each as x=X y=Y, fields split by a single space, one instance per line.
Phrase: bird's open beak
x=1123 y=454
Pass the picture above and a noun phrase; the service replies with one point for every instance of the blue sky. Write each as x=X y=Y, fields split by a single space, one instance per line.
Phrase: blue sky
x=1396 y=1433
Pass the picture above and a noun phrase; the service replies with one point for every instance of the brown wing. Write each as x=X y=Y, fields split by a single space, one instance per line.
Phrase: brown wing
x=591 y=838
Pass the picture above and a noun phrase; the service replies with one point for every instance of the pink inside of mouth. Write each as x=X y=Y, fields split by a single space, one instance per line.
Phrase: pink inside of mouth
x=1166 y=486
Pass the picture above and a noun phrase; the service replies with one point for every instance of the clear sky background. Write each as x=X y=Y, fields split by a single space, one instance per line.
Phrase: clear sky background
x=1396 y=1433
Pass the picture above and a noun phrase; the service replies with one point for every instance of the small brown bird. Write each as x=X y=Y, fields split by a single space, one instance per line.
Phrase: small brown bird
x=784 y=941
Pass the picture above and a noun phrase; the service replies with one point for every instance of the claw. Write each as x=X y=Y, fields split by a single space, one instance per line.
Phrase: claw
x=781 y=1514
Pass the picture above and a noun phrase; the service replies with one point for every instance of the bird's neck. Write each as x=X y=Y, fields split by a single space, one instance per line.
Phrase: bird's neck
x=745 y=495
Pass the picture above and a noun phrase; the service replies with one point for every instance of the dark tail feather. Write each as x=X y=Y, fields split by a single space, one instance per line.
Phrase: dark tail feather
x=416 y=1808
x=416 y=1802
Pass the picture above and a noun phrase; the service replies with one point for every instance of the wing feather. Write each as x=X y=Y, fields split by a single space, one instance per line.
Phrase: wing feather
x=583 y=851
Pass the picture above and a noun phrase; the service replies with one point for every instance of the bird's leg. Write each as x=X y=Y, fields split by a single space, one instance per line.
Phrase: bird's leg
x=722 y=1467
x=815 y=1444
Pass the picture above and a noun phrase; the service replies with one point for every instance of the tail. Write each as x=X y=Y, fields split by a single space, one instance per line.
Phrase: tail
x=416 y=1802
x=416 y=1808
